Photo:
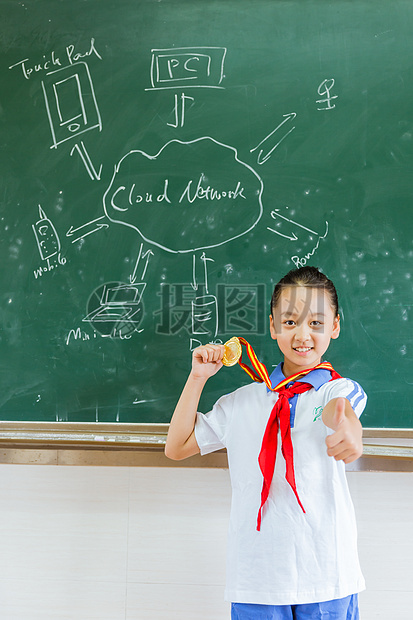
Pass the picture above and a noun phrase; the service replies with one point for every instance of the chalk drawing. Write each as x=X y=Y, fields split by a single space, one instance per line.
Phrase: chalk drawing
x=143 y=266
x=267 y=149
x=48 y=241
x=188 y=208
x=325 y=89
x=70 y=102
x=204 y=308
x=292 y=236
x=115 y=309
x=87 y=229
x=180 y=103
x=189 y=67
x=297 y=260
x=48 y=244
x=302 y=261
x=94 y=174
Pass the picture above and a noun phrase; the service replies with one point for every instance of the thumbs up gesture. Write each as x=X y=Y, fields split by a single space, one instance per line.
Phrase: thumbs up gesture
x=346 y=443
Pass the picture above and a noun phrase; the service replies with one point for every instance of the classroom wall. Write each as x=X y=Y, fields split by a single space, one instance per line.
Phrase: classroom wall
x=128 y=543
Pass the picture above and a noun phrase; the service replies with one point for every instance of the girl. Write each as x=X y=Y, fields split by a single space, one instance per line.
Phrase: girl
x=292 y=549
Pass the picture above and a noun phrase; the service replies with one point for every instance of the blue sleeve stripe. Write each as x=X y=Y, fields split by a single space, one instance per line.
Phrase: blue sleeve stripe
x=357 y=395
x=359 y=399
x=356 y=389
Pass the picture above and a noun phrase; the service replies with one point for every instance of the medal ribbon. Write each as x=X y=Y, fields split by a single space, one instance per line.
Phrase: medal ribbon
x=279 y=420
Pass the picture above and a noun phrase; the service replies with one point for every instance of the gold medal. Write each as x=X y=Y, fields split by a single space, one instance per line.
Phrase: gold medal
x=233 y=351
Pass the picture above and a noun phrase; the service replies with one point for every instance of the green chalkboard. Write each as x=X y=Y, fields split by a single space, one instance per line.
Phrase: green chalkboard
x=164 y=163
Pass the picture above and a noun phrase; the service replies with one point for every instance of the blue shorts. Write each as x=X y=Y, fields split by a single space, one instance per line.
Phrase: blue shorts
x=337 y=609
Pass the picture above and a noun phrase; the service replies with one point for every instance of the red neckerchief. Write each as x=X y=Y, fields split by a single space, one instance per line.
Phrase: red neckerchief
x=278 y=420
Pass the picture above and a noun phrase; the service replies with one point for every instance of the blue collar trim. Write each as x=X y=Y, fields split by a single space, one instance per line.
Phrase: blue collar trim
x=316 y=378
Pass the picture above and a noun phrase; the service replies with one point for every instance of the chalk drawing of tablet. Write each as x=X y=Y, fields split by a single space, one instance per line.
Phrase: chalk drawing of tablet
x=70 y=102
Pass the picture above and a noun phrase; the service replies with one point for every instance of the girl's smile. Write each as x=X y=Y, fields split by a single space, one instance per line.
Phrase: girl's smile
x=303 y=323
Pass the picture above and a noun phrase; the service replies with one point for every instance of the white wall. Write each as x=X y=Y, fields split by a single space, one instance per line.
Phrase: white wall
x=123 y=543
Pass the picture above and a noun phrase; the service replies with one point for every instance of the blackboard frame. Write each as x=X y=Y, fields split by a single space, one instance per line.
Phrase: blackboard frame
x=383 y=449
x=352 y=157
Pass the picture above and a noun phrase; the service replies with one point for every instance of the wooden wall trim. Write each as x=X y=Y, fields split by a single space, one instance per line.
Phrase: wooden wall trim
x=143 y=445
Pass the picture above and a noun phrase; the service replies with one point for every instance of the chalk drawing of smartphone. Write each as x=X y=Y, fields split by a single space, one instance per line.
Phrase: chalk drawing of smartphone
x=47 y=238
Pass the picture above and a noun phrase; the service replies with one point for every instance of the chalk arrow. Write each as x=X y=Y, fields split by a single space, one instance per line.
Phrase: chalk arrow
x=204 y=259
x=263 y=157
x=147 y=255
x=274 y=214
x=95 y=224
x=292 y=238
x=194 y=283
x=90 y=168
x=142 y=255
x=132 y=278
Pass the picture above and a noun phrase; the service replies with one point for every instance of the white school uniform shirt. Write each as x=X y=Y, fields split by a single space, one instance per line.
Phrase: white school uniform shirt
x=296 y=558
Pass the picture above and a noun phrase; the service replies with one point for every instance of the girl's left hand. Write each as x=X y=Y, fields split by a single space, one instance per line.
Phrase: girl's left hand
x=346 y=443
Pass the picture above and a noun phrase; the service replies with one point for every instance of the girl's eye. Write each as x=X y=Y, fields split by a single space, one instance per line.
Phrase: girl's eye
x=289 y=322
x=316 y=323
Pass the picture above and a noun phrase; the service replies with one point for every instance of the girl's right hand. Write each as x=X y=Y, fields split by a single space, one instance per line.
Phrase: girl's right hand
x=207 y=360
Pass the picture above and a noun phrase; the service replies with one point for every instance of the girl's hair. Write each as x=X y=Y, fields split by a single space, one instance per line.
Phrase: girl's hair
x=310 y=277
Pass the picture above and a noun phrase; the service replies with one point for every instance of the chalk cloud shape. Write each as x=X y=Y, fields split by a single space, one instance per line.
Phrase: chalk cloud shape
x=189 y=196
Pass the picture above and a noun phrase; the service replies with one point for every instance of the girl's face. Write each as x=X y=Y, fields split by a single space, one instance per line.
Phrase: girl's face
x=303 y=323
